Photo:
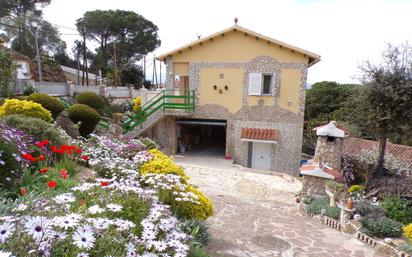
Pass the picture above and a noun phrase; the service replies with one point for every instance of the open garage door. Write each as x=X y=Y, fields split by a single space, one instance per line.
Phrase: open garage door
x=201 y=137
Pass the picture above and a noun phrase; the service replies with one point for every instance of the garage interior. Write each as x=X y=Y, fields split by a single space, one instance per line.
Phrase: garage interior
x=201 y=137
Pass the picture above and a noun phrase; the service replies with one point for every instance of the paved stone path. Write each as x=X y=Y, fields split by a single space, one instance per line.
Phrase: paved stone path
x=255 y=215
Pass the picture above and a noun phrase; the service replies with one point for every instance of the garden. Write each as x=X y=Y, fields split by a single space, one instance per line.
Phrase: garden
x=95 y=195
x=384 y=220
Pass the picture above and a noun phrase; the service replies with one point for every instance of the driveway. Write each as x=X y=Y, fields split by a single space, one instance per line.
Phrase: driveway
x=255 y=215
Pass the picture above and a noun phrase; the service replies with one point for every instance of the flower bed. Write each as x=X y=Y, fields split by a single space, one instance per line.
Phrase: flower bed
x=123 y=212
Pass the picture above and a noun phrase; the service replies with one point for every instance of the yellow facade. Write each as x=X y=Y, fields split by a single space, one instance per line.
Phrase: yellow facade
x=236 y=47
x=290 y=90
x=231 y=98
x=181 y=69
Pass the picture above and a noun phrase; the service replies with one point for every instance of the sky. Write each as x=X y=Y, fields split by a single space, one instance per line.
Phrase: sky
x=345 y=33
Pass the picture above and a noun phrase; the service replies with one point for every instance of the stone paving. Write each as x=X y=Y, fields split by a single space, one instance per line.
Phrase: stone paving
x=255 y=215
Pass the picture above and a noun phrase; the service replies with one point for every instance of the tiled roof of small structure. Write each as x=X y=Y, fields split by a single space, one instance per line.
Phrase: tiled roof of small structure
x=353 y=147
x=318 y=170
x=260 y=134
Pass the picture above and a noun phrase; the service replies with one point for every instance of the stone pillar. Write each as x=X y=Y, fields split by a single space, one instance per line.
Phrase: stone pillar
x=170 y=78
x=103 y=91
x=345 y=215
x=70 y=89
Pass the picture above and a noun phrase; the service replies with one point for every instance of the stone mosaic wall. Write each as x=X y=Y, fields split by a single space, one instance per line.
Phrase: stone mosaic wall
x=329 y=152
x=286 y=153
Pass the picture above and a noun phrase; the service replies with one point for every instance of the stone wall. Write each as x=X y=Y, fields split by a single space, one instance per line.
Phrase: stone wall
x=313 y=185
x=329 y=152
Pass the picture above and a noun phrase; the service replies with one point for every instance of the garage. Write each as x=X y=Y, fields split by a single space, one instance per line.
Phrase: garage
x=201 y=137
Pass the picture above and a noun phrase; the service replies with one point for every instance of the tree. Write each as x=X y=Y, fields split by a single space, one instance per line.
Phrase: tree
x=133 y=34
x=48 y=37
x=20 y=7
x=7 y=71
x=133 y=75
x=326 y=101
x=386 y=97
x=23 y=11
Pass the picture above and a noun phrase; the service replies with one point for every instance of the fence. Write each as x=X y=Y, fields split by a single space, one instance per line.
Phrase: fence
x=65 y=89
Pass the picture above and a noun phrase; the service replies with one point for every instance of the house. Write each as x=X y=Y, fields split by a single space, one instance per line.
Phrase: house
x=23 y=62
x=71 y=75
x=248 y=97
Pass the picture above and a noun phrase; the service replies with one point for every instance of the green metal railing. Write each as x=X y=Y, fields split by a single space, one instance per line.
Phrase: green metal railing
x=165 y=100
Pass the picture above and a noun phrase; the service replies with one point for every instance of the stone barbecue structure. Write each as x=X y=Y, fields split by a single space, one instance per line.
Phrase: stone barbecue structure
x=326 y=163
x=249 y=92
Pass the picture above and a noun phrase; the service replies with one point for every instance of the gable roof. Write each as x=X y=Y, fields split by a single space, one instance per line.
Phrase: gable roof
x=16 y=55
x=353 y=147
x=313 y=58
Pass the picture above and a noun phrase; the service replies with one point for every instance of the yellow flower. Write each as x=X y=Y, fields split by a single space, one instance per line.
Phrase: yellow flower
x=26 y=108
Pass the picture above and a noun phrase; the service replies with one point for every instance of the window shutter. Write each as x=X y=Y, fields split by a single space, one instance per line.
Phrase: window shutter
x=255 y=83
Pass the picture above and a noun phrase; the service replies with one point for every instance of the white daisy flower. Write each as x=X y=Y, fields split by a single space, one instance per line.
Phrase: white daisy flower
x=95 y=209
x=114 y=207
x=83 y=254
x=84 y=238
x=5 y=254
x=21 y=207
x=65 y=222
x=6 y=229
x=100 y=223
x=56 y=235
x=64 y=198
x=38 y=227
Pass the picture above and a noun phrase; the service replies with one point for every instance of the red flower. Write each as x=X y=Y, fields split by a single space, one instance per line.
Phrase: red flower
x=44 y=170
x=29 y=157
x=105 y=183
x=40 y=158
x=42 y=143
x=23 y=191
x=64 y=173
x=52 y=184
x=79 y=151
x=85 y=157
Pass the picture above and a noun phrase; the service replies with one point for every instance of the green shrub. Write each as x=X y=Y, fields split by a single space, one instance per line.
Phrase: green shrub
x=197 y=230
x=356 y=188
x=397 y=209
x=90 y=99
x=87 y=117
x=382 y=227
x=149 y=143
x=26 y=108
x=317 y=204
x=50 y=103
x=333 y=212
x=37 y=128
x=197 y=251
x=365 y=209
x=189 y=210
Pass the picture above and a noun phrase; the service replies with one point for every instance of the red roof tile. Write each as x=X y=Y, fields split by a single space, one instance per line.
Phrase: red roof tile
x=353 y=147
x=260 y=134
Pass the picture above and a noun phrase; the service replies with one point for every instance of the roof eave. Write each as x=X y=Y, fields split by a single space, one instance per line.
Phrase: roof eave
x=315 y=58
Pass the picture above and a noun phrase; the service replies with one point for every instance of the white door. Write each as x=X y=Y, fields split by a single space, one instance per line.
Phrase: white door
x=261 y=155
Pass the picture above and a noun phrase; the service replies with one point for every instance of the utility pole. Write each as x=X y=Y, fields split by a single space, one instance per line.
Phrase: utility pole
x=85 y=68
x=144 y=68
x=36 y=34
x=78 y=68
x=115 y=64
x=154 y=69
